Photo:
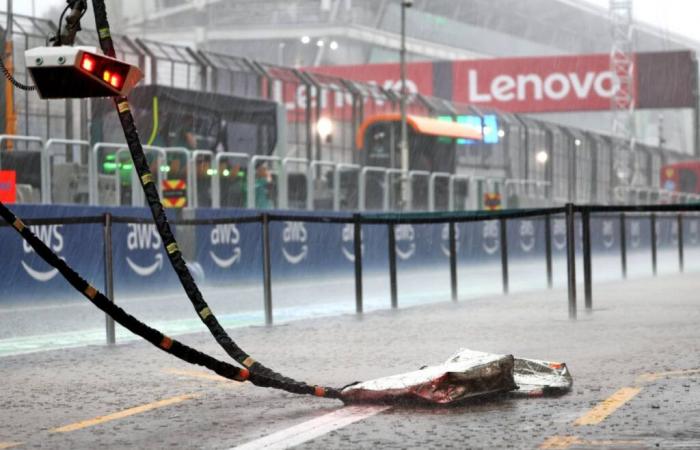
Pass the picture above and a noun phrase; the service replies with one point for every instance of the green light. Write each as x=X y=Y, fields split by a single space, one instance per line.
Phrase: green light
x=226 y=172
x=211 y=172
x=165 y=169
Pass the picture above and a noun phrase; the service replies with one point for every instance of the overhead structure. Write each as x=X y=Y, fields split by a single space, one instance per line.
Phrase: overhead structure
x=623 y=100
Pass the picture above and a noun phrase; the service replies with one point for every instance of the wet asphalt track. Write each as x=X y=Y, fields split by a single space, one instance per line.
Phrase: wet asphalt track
x=634 y=360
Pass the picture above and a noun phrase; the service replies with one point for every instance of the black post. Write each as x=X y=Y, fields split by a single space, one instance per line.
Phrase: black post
x=504 y=253
x=587 y=270
x=548 y=249
x=267 y=269
x=109 y=276
x=357 y=236
x=571 y=258
x=453 y=261
x=653 y=244
x=623 y=244
x=681 y=262
x=392 y=267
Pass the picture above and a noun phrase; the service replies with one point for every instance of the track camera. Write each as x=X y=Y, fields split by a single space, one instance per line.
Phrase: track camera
x=79 y=72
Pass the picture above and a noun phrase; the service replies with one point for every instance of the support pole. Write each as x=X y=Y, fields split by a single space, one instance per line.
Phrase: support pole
x=109 y=276
x=681 y=256
x=587 y=269
x=571 y=258
x=357 y=242
x=623 y=244
x=654 y=265
x=504 y=254
x=548 y=249
x=267 y=269
x=392 y=267
x=453 y=261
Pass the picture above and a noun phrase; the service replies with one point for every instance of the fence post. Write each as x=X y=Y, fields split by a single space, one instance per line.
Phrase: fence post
x=392 y=266
x=453 y=261
x=623 y=244
x=571 y=258
x=548 y=248
x=267 y=269
x=653 y=244
x=587 y=270
x=504 y=253
x=681 y=262
x=109 y=276
x=357 y=243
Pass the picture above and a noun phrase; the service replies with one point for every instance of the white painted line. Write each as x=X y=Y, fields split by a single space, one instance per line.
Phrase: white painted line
x=304 y=432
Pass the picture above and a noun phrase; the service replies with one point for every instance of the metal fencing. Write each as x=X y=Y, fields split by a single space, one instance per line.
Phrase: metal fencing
x=572 y=222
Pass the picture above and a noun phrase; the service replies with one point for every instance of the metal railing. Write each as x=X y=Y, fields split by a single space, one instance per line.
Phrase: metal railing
x=569 y=215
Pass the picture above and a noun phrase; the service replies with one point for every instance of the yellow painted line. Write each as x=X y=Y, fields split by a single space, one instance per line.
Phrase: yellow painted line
x=122 y=414
x=649 y=377
x=203 y=376
x=607 y=406
x=565 y=442
x=4 y=445
x=560 y=442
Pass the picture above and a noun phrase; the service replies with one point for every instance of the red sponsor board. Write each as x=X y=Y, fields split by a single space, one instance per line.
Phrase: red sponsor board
x=539 y=84
x=562 y=83
x=8 y=186
x=336 y=100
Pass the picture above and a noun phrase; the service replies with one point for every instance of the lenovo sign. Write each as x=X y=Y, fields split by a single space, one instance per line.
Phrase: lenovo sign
x=8 y=186
x=544 y=84
x=536 y=85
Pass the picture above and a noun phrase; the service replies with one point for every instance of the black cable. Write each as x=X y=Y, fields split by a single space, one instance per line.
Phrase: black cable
x=59 y=41
x=171 y=246
x=12 y=79
x=155 y=337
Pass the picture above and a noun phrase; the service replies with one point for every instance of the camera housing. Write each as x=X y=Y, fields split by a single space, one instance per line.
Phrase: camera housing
x=79 y=72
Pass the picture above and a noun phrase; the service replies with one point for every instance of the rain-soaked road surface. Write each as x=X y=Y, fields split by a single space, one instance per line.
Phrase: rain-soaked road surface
x=634 y=360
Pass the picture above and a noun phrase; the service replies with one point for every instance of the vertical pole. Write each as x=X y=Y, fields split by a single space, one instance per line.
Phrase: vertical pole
x=453 y=261
x=267 y=269
x=681 y=262
x=504 y=254
x=109 y=276
x=404 y=125
x=357 y=235
x=653 y=244
x=623 y=244
x=10 y=116
x=392 y=266
x=548 y=248
x=571 y=258
x=587 y=270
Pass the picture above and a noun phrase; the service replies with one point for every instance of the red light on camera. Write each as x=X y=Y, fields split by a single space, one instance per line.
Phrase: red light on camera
x=116 y=81
x=88 y=63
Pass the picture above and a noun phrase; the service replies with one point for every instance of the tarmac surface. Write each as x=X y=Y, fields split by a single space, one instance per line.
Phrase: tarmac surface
x=634 y=360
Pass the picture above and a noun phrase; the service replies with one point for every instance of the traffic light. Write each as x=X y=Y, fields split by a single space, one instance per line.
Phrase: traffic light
x=79 y=72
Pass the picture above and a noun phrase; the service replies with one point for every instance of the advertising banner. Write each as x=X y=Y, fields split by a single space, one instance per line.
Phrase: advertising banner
x=540 y=84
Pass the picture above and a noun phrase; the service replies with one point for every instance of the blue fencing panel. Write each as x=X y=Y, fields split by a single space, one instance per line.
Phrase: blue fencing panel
x=25 y=276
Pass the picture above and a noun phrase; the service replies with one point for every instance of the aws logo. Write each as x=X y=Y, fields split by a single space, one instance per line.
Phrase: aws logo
x=405 y=241
x=635 y=234
x=228 y=237
x=559 y=234
x=608 y=234
x=144 y=237
x=347 y=245
x=52 y=237
x=491 y=240
x=527 y=235
x=294 y=238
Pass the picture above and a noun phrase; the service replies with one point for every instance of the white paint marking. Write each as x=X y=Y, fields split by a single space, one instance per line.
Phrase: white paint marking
x=304 y=432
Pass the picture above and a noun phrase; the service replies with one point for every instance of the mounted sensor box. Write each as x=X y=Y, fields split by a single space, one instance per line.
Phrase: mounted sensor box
x=79 y=72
